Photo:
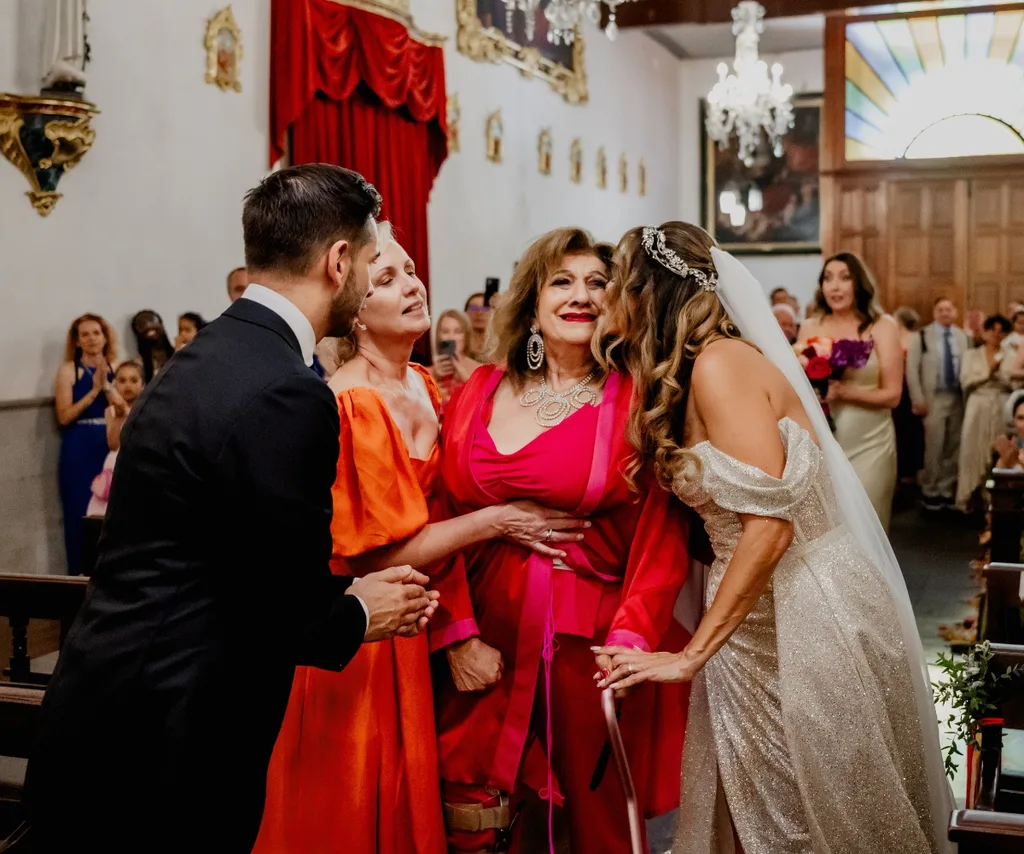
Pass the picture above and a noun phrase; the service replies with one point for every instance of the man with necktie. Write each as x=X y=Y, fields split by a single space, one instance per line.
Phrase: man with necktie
x=933 y=378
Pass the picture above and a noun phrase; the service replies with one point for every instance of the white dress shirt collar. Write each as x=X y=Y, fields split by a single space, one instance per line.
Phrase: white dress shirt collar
x=287 y=311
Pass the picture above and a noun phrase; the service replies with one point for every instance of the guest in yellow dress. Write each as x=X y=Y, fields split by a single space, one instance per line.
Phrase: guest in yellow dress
x=863 y=401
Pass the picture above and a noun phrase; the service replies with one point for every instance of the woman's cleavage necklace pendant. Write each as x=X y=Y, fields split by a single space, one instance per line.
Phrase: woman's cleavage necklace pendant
x=554 y=407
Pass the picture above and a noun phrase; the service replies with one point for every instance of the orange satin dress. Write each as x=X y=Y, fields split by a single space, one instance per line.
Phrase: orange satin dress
x=355 y=768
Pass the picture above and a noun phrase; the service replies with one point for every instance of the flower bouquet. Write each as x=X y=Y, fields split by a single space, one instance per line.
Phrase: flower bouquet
x=824 y=360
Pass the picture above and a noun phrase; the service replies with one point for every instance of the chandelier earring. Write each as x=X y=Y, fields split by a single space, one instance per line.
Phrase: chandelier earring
x=534 y=349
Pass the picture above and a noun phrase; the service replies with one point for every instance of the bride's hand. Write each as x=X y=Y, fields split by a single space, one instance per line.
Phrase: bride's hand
x=633 y=667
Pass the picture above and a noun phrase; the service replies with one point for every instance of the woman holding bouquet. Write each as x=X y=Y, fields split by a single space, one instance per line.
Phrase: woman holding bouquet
x=862 y=392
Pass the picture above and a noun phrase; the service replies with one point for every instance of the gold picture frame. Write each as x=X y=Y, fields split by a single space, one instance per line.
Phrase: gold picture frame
x=495 y=134
x=576 y=161
x=623 y=173
x=453 y=120
x=223 y=43
x=641 y=178
x=545 y=151
x=602 y=169
x=489 y=44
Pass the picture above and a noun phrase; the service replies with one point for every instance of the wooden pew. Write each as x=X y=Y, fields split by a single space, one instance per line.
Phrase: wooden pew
x=1002 y=611
x=36 y=597
x=19 y=722
x=1006 y=504
x=996 y=826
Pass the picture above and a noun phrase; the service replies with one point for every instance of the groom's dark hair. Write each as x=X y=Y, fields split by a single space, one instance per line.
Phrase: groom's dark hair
x=293 y=216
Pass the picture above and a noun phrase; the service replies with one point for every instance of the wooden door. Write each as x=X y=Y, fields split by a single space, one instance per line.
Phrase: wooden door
x=996 y=244
x=927 y=244
x=860 y=223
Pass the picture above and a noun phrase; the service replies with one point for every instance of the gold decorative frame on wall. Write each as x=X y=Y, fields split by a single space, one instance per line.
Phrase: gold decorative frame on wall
x=454 y=119
x=495 y=137
x=641 y=178
x=545 y=151
x=223 y=43
x=623 y=173
x=488 y=44
x=576 y=161
x=602 y=169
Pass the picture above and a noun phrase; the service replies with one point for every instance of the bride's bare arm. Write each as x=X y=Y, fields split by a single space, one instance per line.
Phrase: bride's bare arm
x=734 y=406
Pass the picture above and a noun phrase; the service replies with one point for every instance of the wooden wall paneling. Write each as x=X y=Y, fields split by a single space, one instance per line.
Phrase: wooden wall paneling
x=858 y=222
x=996 y=243
x=833 y=136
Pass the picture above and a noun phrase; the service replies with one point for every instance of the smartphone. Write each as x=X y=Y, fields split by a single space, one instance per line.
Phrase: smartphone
x=446 y=348
x=490 y=289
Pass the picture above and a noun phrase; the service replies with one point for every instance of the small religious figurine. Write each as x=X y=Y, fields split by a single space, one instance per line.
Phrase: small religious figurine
x=623 y=173
x=641 y=178
x=223 y=44
x=576 y=161
x=602 y=169
x=64 y=47
x=453 y=118
x=544 y=152
x=495 y=132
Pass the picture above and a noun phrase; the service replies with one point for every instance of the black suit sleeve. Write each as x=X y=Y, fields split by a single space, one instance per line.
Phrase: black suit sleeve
x=283 y=458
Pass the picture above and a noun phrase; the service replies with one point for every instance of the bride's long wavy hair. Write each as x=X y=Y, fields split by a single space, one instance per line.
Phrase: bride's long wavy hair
x=655 y=324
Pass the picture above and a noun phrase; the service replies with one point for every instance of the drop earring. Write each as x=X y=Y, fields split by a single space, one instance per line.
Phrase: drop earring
x=534 y=349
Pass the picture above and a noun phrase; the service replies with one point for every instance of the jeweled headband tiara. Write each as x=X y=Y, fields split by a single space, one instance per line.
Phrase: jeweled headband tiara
x=654 y=242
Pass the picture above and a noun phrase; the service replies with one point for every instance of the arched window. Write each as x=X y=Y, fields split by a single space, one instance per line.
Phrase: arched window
x=965 y=136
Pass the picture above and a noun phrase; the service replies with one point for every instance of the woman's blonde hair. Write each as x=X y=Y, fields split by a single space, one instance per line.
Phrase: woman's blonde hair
x=664 y=321
x=463 y=321
x=510 y=325
x=348 y=345
x=109 y=349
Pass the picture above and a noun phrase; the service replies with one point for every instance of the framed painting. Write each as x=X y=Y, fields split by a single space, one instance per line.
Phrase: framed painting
x=489 y=32
x=772 y=206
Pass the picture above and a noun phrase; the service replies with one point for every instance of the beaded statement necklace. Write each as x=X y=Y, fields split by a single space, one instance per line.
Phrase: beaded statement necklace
x=553 y=407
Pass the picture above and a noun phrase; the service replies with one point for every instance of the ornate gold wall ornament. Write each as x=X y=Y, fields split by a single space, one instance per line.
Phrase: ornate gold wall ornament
x=454 y=117
x=576 y=161
x=623 y=173
x=495 y=135
x=489 y=44
x=223 y=45
x=44 y=138
x=545 y=149
x=641 y=178
x=602 y=169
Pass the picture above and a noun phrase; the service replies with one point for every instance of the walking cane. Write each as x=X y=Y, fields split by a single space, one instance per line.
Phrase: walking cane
x=622 y=764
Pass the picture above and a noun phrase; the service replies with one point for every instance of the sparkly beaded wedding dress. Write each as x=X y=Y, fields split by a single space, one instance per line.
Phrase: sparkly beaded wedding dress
x=813 y=727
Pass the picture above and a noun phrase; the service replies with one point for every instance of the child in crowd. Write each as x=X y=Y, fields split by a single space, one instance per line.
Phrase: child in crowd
x=128 y=383
x=189 y=325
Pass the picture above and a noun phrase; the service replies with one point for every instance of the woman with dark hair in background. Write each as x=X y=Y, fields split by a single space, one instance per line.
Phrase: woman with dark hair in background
x=479 y=314
x=189 y=326
x=151 y=339
x=985 y=380
x=82 y=391
x=863 y=400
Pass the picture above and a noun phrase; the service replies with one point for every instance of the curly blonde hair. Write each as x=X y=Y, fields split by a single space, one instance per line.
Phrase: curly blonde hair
x=659 y=323
x=510 y=325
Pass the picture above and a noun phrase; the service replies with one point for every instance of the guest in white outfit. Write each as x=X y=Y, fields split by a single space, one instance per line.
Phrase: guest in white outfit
x=933 y=377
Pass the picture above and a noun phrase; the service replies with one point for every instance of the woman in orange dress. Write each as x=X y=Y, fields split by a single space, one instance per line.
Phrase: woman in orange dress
x=355 y=764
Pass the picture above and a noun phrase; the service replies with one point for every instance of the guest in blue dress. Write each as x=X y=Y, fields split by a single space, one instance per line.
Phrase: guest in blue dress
x=82 y=392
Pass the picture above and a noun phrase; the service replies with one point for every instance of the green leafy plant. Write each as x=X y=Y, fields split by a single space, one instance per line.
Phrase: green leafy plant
x=972 y=690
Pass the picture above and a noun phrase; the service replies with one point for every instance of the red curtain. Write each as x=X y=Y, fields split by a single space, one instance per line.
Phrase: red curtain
x=358 y=91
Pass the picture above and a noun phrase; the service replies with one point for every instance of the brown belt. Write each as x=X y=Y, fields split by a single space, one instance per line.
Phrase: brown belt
x=473 y=818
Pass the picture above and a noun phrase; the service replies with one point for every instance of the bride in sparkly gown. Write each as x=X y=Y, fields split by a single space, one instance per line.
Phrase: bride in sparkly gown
x=811 y=724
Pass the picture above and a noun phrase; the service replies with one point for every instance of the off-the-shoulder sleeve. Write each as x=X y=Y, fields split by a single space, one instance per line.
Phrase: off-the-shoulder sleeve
x=743 y=488
x=377 y=497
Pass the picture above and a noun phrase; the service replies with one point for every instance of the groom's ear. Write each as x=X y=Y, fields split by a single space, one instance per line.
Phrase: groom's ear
x=339 y=262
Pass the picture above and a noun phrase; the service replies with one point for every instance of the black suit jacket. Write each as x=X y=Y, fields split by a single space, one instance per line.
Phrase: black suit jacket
x=212 y=584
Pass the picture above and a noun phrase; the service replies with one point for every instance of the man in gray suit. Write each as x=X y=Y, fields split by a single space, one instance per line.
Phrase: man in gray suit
x=933 y=378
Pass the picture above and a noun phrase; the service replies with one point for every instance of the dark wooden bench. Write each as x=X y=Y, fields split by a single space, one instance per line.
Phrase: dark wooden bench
x=19 y=723
x=1006 y=505
x=1002 y=611
x=996 y=825
x=36 y=597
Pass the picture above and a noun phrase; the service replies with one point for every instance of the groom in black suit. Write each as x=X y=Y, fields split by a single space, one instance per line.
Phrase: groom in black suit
x=213 y=582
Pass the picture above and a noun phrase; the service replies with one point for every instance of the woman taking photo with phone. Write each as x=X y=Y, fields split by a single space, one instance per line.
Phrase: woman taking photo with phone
x=452 y=365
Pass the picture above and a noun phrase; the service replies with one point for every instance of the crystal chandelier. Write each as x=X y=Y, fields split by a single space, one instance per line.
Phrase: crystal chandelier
x=564 y=16
x=749 y=101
